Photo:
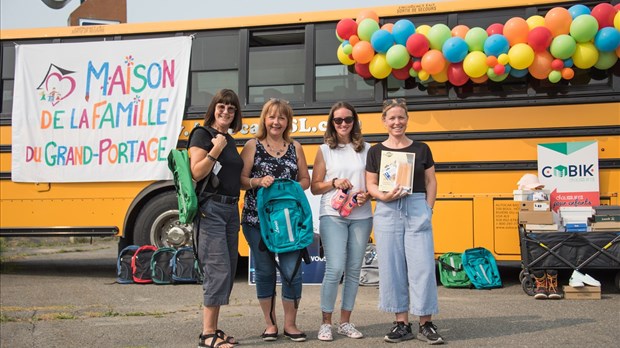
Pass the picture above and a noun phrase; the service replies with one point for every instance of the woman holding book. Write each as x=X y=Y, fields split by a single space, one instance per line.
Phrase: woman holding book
x=402 y=226
x=339 y=177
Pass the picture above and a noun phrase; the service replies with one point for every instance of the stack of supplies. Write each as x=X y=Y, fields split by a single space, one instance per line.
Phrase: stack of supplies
x=575 y=219
x=534 y=212
x=606 y=218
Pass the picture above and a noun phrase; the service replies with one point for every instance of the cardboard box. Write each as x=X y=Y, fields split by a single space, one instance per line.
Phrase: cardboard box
x=583 y=293
x=535 y=206
x=535 y=217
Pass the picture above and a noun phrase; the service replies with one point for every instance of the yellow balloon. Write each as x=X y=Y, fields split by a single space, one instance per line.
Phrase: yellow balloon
x=586 y=55
x=343 y=57
x=521 y=56
x=475 y=64
x=423 y=29
x=535 y=21
x=503 y=59
x=378 y=66
x=441 y=76
x=617 y=20
x=423 y=75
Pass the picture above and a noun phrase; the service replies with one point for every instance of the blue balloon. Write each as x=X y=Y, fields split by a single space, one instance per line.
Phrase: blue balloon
x=578 y=10
x=381 y=40
x=402 y=30
x=568 y=63
x=518 y=73
x=495 y=45
x=607 y=39
x=508 y=69
x=455 y=49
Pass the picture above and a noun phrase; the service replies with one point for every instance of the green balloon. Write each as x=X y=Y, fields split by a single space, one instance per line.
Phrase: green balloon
x=347 y=49
x=563 y=46
x=583 y=28
x=366 y=28
x=437 y=35
x=475 y=39
x=555 y=76
x=397 y=56
x=498 y=78
x=606 y=60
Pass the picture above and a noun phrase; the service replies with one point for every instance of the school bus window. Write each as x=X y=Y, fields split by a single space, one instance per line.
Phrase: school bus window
x=336 y=82
x=215 y=51
x=204 y=85
x=412 y=89
x=276 y=72
x=7 y=96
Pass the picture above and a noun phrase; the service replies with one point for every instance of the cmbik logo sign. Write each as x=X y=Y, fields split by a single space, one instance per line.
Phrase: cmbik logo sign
x=571 y=171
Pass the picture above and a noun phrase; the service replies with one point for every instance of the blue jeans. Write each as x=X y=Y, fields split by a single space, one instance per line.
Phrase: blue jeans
x=265 y=269
x=344 y=242
x=405 y=252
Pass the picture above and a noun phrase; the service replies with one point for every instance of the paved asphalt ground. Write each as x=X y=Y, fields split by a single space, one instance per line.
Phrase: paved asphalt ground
x=65 y=296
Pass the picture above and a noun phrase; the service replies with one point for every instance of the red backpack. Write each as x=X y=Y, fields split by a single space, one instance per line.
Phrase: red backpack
x=141 y=264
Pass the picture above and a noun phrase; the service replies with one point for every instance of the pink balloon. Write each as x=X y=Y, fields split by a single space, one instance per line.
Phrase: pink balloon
x=363 y=70
x=495 y=28
x=456 y=74
x=604 y=14
x=539 y=38
x=417 y=44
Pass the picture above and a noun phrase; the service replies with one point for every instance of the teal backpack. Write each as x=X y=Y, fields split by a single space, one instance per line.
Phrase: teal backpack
x=451 y=271
x=285 y=216
x=481 y=268
x=187 y=193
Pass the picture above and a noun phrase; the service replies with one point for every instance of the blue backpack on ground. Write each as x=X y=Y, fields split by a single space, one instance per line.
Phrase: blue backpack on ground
x=186 y=267
x=481 y=268
x=161 y=265
x=285 y=216
x=124 y=274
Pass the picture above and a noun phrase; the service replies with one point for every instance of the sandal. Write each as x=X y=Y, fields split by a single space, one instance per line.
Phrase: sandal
x=202 y=341
x=349 y=205
x=298 y=337
x=269 y=336
x=339 y=198
x=226 y=338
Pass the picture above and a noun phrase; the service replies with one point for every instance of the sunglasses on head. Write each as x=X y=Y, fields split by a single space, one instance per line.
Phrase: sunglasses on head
x=347 y=120
x=395 y=101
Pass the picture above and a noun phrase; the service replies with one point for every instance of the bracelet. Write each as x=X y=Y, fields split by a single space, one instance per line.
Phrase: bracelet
x=251 y=187
x=334 y=182
x=211 y=158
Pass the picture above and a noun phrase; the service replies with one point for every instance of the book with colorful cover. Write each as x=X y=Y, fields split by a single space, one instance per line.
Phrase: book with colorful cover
x=396 y=168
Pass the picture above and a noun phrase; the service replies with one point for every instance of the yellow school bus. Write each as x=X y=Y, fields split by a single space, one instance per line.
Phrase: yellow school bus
x=484 y=135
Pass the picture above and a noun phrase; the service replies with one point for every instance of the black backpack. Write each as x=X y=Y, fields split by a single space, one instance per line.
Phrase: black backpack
x=185 y=266
x=124 y=274
x=161 y=265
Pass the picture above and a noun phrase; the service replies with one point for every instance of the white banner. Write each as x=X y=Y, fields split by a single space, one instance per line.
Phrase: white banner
x=98 y=111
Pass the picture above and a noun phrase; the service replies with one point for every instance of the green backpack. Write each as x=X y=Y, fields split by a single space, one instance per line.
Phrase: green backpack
x=187 y=193
x=451 y=271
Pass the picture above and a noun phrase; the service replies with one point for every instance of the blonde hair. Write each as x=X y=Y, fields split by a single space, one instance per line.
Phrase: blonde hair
x=276 y=105
x=391 y=103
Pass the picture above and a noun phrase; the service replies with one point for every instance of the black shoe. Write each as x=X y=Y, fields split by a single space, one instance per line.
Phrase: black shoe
x=298 y=337
x=400 y=332
x=269 y=336
x=428 y=333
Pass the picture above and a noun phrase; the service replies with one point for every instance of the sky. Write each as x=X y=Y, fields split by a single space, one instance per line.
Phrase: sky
x=20 y=14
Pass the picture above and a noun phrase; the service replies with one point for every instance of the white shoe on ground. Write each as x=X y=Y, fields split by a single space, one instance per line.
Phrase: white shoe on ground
x=349 y=330
x=325 y=333
x=584 y=278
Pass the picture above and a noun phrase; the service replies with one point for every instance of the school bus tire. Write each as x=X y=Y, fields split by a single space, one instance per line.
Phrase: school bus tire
x=158 y=223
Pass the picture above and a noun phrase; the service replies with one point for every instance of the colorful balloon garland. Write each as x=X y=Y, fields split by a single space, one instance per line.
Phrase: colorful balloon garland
x=545 y=47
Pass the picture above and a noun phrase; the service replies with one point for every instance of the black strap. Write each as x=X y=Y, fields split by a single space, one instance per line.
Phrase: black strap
x=449 y=267
x=211 y=176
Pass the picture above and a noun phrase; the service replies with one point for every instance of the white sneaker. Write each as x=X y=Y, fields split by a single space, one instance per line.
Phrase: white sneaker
x=325 y=333
x=584 y=278
x=349 y=330
x=575 y=283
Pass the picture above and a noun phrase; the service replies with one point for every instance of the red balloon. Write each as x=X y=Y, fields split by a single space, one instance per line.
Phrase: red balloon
x=557 y=64
x=417 y=65
x=539 y=38
x=402 y=73
x=363 y=70
x=346 y=27
x=604 y=14
x=417 y=44
x=456 y=74
x=495 y=28
x=499 y=69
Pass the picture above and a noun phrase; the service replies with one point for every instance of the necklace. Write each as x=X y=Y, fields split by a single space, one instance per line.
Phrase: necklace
x=277 y=151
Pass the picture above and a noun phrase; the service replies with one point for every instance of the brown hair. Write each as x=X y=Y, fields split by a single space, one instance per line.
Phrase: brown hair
x=281 y=106
x=390 y=103
x=331 y=136
x=228 y=97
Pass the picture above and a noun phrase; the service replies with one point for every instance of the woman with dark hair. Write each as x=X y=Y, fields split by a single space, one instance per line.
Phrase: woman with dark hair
x=273 y=155
x=345 y=216
x=219 y=211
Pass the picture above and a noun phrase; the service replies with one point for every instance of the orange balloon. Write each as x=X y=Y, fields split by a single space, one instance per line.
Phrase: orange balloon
x=354 y=39
x=558 y=21
x=541 y=66
x=491 y=61
x=388 y=27
x=367 y=14
x=568 y=73
x=481 y=79
x=433 y=62
x=460 y=31
x=516 y=30
x=363 y=52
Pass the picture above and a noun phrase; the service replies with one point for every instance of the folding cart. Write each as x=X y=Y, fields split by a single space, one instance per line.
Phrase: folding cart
x=567 y=250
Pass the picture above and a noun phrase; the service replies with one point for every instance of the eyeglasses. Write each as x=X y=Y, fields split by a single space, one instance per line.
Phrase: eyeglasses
x=339 y=120
x=278 y=100
x=395 y=101
x=231 y=109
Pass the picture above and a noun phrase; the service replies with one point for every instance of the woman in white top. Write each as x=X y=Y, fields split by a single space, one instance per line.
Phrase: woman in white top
x=345 y=214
